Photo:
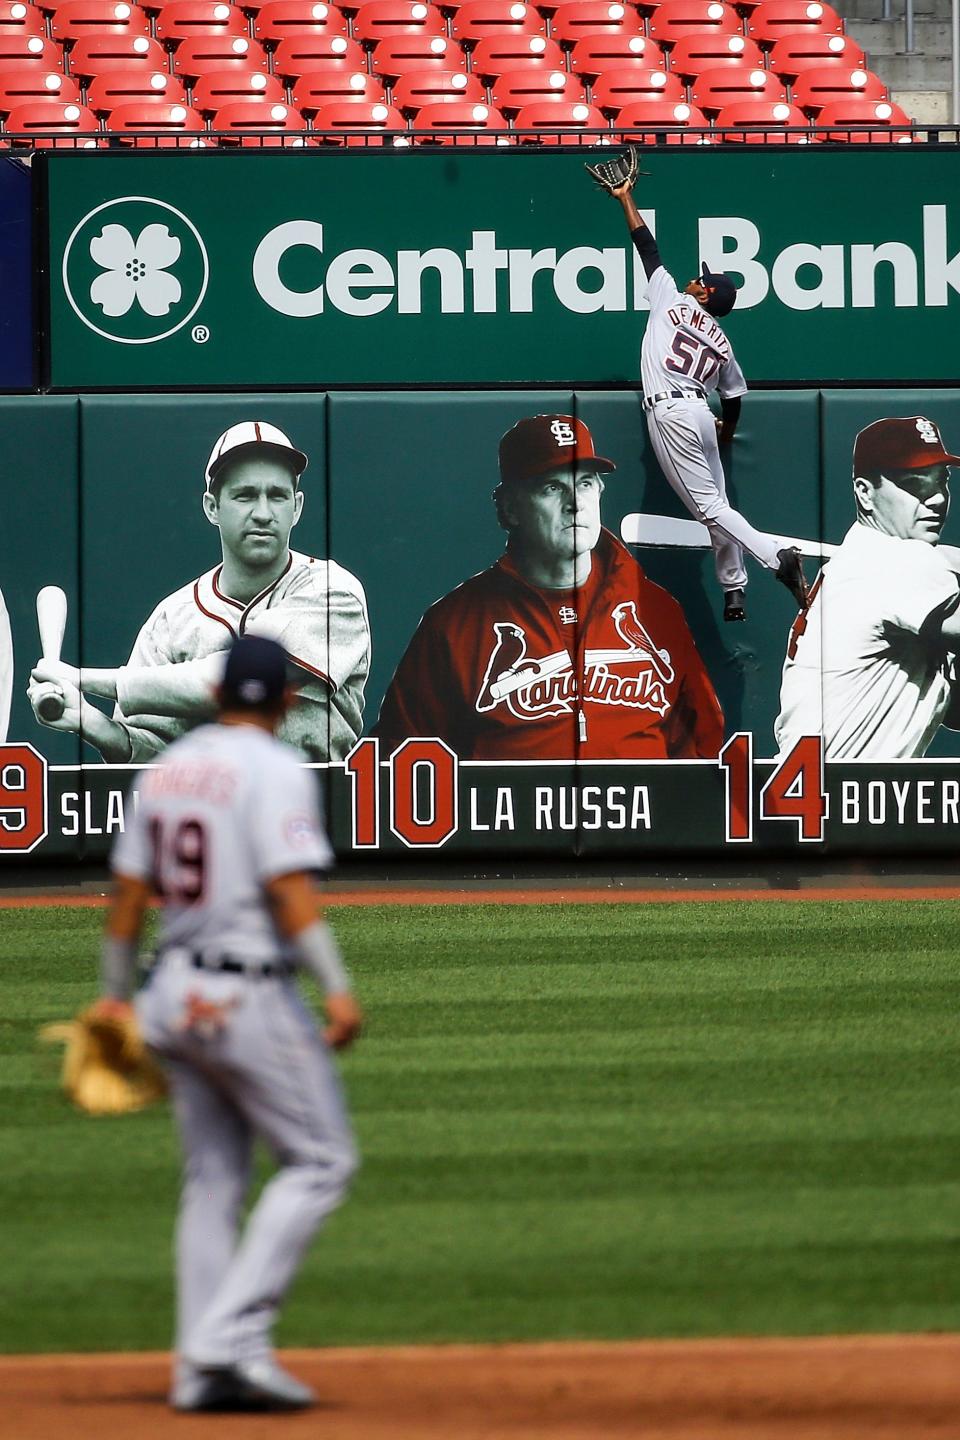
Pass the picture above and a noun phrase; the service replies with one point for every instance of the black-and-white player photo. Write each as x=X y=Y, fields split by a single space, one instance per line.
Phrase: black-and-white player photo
x=871 y=665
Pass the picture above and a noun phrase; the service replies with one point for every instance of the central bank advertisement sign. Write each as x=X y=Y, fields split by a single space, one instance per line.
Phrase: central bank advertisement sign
x=478 y=673
x=398 y=268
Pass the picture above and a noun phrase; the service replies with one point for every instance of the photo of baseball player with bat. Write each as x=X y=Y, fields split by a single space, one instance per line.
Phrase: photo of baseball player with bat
x=315 y=608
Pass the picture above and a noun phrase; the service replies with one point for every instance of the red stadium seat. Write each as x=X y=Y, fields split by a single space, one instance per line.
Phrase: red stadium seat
x=248 y=121
x=519 y=88
x=413 y=54
x=19 y=19
x=323 y=87
x=480 y=19
x=369 y=121
x=791 y=55
x=696 y=53
x=302 y=54
x=616 y=88
x=728 y=85
x=277 y=20
x=99 y=54
x=20 y=52
x=236 y=87
x=576 y=18
x=122 y=87
x=773 y=18
x=816 y=88
x=54 y=118
x=154 y=126
x=437 y=87
x=674 y=121
x=338 y=79
x=858 y=110
x=19 y=89
x=182 y=18
x=378 y=18
x=208 y=54
x=546 y=116
x=496 y=54
x=484 y=122
x=760 y=123
x=75 y=19
x=675 y=19
x=592 y=54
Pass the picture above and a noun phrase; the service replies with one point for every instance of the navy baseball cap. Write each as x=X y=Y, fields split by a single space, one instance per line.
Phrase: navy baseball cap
x=255 y=674
x=723 y=292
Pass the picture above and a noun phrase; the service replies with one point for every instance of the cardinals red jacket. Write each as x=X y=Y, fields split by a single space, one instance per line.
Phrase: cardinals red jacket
x=502 y=670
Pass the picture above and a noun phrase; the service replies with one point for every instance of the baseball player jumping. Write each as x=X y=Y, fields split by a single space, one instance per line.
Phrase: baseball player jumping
x=227 y=834
x=684 y=356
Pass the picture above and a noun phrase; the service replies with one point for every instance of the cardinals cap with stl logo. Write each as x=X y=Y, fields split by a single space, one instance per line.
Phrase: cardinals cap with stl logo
x=255 y=674
x=248 y=437
x=543 y=443
x=912 y=443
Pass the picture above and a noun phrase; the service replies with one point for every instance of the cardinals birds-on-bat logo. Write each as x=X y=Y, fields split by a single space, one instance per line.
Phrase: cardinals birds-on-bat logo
x=530 y=688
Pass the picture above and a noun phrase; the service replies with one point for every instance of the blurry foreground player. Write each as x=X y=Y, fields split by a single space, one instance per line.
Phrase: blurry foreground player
x=228 y=835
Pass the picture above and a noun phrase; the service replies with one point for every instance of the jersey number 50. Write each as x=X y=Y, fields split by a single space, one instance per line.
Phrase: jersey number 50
x=689 y=357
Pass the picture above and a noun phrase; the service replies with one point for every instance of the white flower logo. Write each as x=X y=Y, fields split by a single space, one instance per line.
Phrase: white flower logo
x=135 y=270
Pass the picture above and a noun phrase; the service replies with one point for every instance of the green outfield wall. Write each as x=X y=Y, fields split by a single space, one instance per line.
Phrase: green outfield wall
x=489 y=267
x=106 y=503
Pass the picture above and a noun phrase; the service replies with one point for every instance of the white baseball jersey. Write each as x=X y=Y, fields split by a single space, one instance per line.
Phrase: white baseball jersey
x=859 y=670
x=683 y=347
x=227 y=808
x=316 y=610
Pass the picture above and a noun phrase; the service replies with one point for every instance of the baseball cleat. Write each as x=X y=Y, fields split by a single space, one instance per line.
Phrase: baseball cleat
x=197 y=1392
x=734 y=607
x=266 y=1384
x=790 y=573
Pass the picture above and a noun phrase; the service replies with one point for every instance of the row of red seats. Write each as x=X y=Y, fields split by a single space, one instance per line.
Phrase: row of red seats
x=591 y=56
x=257 y=119
x=671 y=21
x=710 y=92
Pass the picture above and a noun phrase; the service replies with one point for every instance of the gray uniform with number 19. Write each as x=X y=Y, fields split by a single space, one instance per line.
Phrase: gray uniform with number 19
x=227 y=809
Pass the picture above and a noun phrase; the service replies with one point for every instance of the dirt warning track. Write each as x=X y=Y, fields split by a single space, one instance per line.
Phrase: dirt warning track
x=556 y=894
x=900 y=1387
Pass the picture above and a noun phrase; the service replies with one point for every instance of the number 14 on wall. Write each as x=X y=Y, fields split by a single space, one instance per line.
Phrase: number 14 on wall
x=795 y=790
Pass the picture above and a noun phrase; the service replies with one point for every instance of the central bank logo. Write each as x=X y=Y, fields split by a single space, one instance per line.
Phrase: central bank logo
x=135 y=270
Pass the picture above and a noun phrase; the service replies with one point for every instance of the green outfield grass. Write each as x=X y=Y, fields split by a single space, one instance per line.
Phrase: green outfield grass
x=607 y=1121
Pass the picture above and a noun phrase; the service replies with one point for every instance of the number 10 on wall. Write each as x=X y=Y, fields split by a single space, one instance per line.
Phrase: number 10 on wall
x=795 y=790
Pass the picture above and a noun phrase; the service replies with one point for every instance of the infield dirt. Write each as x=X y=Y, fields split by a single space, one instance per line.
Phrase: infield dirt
x=824 y=1388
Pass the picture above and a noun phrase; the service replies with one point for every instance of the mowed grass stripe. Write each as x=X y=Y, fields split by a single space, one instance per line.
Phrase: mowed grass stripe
x=609 y=1121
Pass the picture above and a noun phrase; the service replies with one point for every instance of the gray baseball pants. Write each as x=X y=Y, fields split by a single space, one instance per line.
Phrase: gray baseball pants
x=683 y=434
x=253 y=1065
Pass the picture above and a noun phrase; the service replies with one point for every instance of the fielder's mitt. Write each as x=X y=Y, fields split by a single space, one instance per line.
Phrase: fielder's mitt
x=623 y=169
x=107 y=1069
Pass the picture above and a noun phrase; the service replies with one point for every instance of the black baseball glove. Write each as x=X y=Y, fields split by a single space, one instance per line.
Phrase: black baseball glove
x=612 y=175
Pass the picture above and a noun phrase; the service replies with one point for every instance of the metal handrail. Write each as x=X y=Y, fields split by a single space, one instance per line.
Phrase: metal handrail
x=317 y=140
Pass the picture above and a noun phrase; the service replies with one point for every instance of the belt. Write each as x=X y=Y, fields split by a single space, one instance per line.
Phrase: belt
x=650 y=400
x=226 y=964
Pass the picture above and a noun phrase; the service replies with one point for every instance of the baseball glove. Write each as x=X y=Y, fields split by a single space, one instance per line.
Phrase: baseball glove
x=107 y=1069
x=611 y=175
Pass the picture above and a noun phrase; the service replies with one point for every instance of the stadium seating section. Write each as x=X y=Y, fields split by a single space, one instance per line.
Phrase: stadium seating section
x=97 y=73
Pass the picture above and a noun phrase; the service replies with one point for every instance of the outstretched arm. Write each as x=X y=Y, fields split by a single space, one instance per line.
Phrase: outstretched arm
x=639 y=233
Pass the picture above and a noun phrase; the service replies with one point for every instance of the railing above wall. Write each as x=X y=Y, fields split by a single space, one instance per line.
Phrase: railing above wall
x=812 y=134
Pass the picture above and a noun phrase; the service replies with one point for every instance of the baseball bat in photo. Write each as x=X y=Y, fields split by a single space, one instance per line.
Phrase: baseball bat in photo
x=6 y=670
x=666 y=532
x=51 y=622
